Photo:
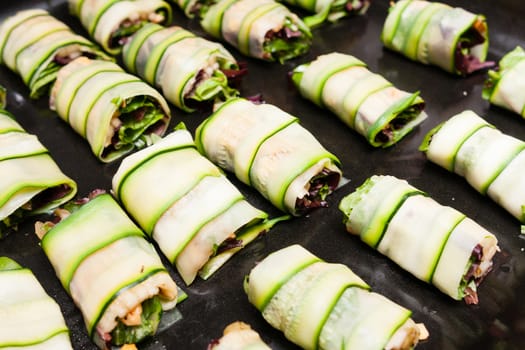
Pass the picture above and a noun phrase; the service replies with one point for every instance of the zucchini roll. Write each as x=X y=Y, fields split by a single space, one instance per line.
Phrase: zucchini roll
x=114 y=111
x=505 y=87
x=436 y=243
x=238 y=336
x=491 y=162
x=31 y=319
x=434 y=33
x=200 y=220
x=267 y=149
x=112 y=273
x=189 y=70
x=112 y=22
x=365 y=101
x=30 y=180
x=263 y=29
x=35 y=45
x=329 y=10
x=326 y=306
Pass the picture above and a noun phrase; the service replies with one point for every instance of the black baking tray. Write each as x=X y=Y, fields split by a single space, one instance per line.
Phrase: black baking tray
x=497 y=322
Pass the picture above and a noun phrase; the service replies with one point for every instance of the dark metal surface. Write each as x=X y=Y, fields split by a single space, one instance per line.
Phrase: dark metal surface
x=498 y=322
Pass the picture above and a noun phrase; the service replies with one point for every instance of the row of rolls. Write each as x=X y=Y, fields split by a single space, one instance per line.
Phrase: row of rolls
x=125 y=115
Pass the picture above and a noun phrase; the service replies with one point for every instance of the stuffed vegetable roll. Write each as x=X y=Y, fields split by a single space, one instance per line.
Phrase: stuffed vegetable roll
x=491 y=162
x=269 y=150
x=436 y=243
x=114 y=111
x=238 y=336
x=200 y=220
x=434 y=33
x=505 y=87
x=35 y=45
x=321 y=305
x=112 y=273
x=263 y=29
x=30 y=181
x=189 y=70
x=31 y=319
x=365 y=101
x=112 y=22
x=329 y=10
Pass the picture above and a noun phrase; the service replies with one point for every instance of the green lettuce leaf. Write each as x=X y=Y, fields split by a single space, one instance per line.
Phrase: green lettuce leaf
x=150 y=319
x=283 y=49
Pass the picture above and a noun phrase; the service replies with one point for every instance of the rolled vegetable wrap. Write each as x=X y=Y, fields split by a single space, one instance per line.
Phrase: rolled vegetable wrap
x=31 y=319
x=505 y=87
x=437 y=34
x=321 y=305
x=267 y=148
x=30 y=180
x=112 y=273
x=239 y=336
x=365 y=101
x=198 y=221
x=491 y=162
x=435 y=243
x=263 y=29
x=112 y=22
x=114 y=111
x=329 y=10
x=189 y=70
x=35 y=45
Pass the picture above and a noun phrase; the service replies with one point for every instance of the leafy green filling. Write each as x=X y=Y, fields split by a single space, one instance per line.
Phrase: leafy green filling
x=212 y=87
x=137 y=115
x=150 y=319
x=125 y=31
x=293 y=40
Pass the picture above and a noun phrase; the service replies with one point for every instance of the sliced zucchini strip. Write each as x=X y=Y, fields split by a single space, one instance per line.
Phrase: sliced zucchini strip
x=114 y=111
x=267 y=148
x=365 y=101
x=329 y=10
x=505 y=87
x=111 y=23
x=239 y=336
x=35 y=45
x=435 y=243
x=30 y=317
x=182 y=65
x=107 y=266
x=185 y=203
x=263 y=29
x=321 y=305
x=433 y=33
x=30 y=180
x=490 y=161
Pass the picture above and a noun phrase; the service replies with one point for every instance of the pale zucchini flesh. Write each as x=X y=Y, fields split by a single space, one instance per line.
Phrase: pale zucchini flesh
x=487 y=158
x=365 y=101
x=272 y=162
x=419 y=234
x=320 y=305
x=31 y=319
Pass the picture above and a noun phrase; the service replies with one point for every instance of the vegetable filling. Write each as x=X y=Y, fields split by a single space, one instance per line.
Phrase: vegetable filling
x=320 y=186
x=388 y=133
x=473 y=276
x=292 y=40
x=135 y=123
x=465 y=61
x=140 y=323
x=38 y=201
